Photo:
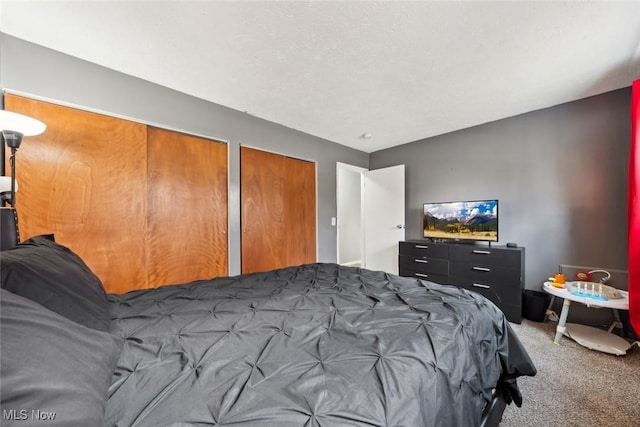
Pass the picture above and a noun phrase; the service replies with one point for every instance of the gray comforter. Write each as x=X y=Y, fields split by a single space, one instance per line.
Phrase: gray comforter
x=314 y=345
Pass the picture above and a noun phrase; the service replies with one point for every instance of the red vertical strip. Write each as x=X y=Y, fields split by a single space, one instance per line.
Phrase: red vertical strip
x=634 y=210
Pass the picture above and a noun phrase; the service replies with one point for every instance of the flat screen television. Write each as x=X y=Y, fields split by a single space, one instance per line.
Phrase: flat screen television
x=469 y=220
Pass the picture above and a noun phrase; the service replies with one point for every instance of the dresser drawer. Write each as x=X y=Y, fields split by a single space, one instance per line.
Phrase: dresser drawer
x=486 y=273
x=486 y=256
x=512 y=311
x=436 y=278
x=499 y=293
x=425 y=265
x=424 y=250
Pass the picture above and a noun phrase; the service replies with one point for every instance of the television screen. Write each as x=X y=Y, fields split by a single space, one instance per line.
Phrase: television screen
x=472 y=220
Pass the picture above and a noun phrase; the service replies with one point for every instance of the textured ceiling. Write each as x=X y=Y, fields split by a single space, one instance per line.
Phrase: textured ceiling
x=400 y=71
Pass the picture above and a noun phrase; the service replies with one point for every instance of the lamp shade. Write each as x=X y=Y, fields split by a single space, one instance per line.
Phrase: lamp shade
x=10 y=121
x=5 y=184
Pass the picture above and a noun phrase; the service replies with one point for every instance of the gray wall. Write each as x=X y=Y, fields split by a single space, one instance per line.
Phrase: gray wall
x=560 y=175
x=30 y=69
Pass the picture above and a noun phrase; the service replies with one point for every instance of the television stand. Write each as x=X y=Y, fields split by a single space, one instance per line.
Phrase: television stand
x=496 y=272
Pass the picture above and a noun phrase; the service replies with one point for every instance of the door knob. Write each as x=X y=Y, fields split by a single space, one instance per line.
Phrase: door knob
x=400 y=226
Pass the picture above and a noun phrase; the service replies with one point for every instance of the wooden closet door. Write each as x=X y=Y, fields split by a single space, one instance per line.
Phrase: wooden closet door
x=187 y=207
x=262 y=213
x=278 y=213
x=84 y=179
x=141 y=206
x=300 y=211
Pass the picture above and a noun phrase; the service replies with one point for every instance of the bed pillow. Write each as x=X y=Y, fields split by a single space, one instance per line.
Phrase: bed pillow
x=52 y=367
x=52 y=275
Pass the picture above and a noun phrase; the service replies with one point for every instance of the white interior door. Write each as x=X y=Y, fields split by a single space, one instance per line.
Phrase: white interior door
x=383 y=217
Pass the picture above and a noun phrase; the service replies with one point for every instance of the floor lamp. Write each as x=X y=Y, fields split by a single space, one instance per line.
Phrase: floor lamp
x=13 y=127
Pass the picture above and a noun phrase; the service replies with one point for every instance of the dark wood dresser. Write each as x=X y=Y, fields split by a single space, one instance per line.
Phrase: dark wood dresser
x=496 y=272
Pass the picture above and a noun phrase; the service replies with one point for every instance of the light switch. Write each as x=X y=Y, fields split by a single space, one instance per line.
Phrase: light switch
x=333 y=221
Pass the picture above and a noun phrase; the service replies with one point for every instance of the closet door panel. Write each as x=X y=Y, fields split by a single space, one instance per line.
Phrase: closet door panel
x=187 y=207
x=278 y=213
x=84 y=179
x=300 y=207
x=262 y=191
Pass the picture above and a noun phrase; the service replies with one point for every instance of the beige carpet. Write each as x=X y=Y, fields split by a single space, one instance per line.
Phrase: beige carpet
x=574 y=386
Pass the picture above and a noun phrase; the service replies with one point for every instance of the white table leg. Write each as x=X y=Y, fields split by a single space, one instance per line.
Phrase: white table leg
x=550 y=314
x=563 y=321
x=616 y=321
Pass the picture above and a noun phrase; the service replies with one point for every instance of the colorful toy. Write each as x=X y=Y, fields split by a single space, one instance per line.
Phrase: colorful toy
x=558 y=280
x=588 y=290
x=583 y=275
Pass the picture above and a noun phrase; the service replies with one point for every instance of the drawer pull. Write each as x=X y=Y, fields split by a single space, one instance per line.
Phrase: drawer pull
x=481 y=269
x=422 y=275
x=480 y=285
x=422 y=246
x=477 y=251
x=423 y=261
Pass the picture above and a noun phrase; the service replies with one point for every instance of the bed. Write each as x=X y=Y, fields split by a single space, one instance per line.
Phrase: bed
x=311 y=345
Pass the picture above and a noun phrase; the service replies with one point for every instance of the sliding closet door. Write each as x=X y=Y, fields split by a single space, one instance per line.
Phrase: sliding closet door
x=278 y=213
x=142 y=206
x=187 y=207
x=84 y=179
x=262 y=212
x=300 y=211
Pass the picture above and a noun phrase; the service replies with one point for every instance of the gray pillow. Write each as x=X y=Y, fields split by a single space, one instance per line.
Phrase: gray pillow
x=52 y=275
x=52 y=367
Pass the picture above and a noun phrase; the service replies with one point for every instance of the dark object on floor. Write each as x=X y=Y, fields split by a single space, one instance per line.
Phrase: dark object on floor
x=535 y=305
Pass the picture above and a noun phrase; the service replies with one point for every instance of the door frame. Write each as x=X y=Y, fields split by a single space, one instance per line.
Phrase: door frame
x=339 y=185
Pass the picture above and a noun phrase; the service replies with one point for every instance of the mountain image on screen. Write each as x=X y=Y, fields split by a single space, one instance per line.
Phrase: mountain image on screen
x=472 y=220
